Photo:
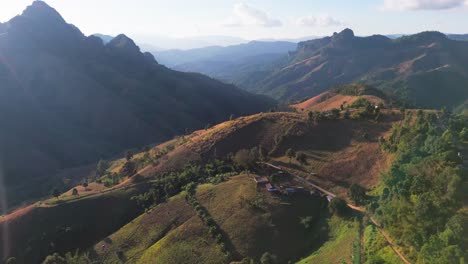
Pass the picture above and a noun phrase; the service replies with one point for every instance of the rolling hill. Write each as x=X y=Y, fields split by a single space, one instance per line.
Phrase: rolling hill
x=191 y=200
x=327 y=145
x=67 y=99
x=426 y=69
x=343 y=96
x=180 y=237
x=351 y=174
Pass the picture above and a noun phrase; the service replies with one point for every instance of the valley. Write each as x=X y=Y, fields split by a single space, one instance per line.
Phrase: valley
x=413 y=68
x=333 y=150
x=340 y=149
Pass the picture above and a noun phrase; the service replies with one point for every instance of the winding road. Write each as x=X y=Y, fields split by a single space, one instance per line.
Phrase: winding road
x=357 y=208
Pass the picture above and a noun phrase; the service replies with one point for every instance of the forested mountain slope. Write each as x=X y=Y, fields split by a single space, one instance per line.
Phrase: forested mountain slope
x=426 y=69
x=67 y=99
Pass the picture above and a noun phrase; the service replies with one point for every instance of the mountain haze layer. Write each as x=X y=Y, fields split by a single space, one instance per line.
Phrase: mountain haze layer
x=229 y=64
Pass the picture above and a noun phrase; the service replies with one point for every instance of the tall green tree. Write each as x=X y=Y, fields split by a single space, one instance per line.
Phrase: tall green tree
x=101 y=168
x=357 y=193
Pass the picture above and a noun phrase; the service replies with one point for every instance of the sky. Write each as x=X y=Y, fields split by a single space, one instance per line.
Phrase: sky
x=254 y=19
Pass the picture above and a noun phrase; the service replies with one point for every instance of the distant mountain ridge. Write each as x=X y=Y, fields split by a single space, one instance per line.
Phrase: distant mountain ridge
x=228 y=64
x=178 y=58
x=461 y=37
x=67 y=99
x=426 y=69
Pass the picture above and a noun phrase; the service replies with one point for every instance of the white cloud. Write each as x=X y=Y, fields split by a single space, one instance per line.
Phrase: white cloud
x=401 y=5
x=245 y=15
x=318 y=21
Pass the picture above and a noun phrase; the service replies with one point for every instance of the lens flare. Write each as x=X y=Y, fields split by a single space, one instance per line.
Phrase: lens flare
x=3 y=209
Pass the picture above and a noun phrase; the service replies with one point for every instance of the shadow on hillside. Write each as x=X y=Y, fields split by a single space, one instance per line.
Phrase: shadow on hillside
x=321 y=233
x=326 y=136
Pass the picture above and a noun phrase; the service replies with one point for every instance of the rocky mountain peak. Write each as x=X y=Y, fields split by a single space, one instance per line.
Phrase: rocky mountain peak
x=42 y=12
x=345 y=35
x=123 y=43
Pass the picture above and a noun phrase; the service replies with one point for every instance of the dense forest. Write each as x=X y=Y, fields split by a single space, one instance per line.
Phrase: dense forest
x=421 y=202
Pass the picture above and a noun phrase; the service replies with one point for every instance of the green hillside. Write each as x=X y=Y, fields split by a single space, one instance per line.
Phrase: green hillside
x=251 y=222
x=186 y=202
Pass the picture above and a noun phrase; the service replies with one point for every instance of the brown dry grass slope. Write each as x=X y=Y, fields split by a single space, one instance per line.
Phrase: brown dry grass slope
x=336 y=150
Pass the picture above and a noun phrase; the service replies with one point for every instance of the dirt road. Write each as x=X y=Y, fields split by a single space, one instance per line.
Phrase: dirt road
x=357 y=208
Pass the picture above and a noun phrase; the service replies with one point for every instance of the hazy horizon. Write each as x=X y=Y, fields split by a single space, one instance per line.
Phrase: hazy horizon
x=234 y=22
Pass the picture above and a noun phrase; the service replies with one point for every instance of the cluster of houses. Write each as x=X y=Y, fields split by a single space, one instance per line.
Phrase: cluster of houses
x=263 y=182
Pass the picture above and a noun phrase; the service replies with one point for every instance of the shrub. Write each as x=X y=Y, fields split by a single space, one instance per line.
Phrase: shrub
x=55 y=259
x=464 y=134
x=301 y=157
x=268 y=258
x=244 y=158
x=357 y=193
x=212 y=230
x=338 y=206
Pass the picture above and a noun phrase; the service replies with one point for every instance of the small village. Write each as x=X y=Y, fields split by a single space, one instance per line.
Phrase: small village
x=263 y=183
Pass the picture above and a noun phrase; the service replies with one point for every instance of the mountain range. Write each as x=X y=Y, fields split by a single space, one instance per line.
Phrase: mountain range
x=227 y=63
x=179 y=58
x=67 y=99
x=119 y=159
x=426 y=69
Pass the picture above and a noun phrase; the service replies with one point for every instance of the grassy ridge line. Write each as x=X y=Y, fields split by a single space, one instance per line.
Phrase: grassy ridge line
x=54 y=202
